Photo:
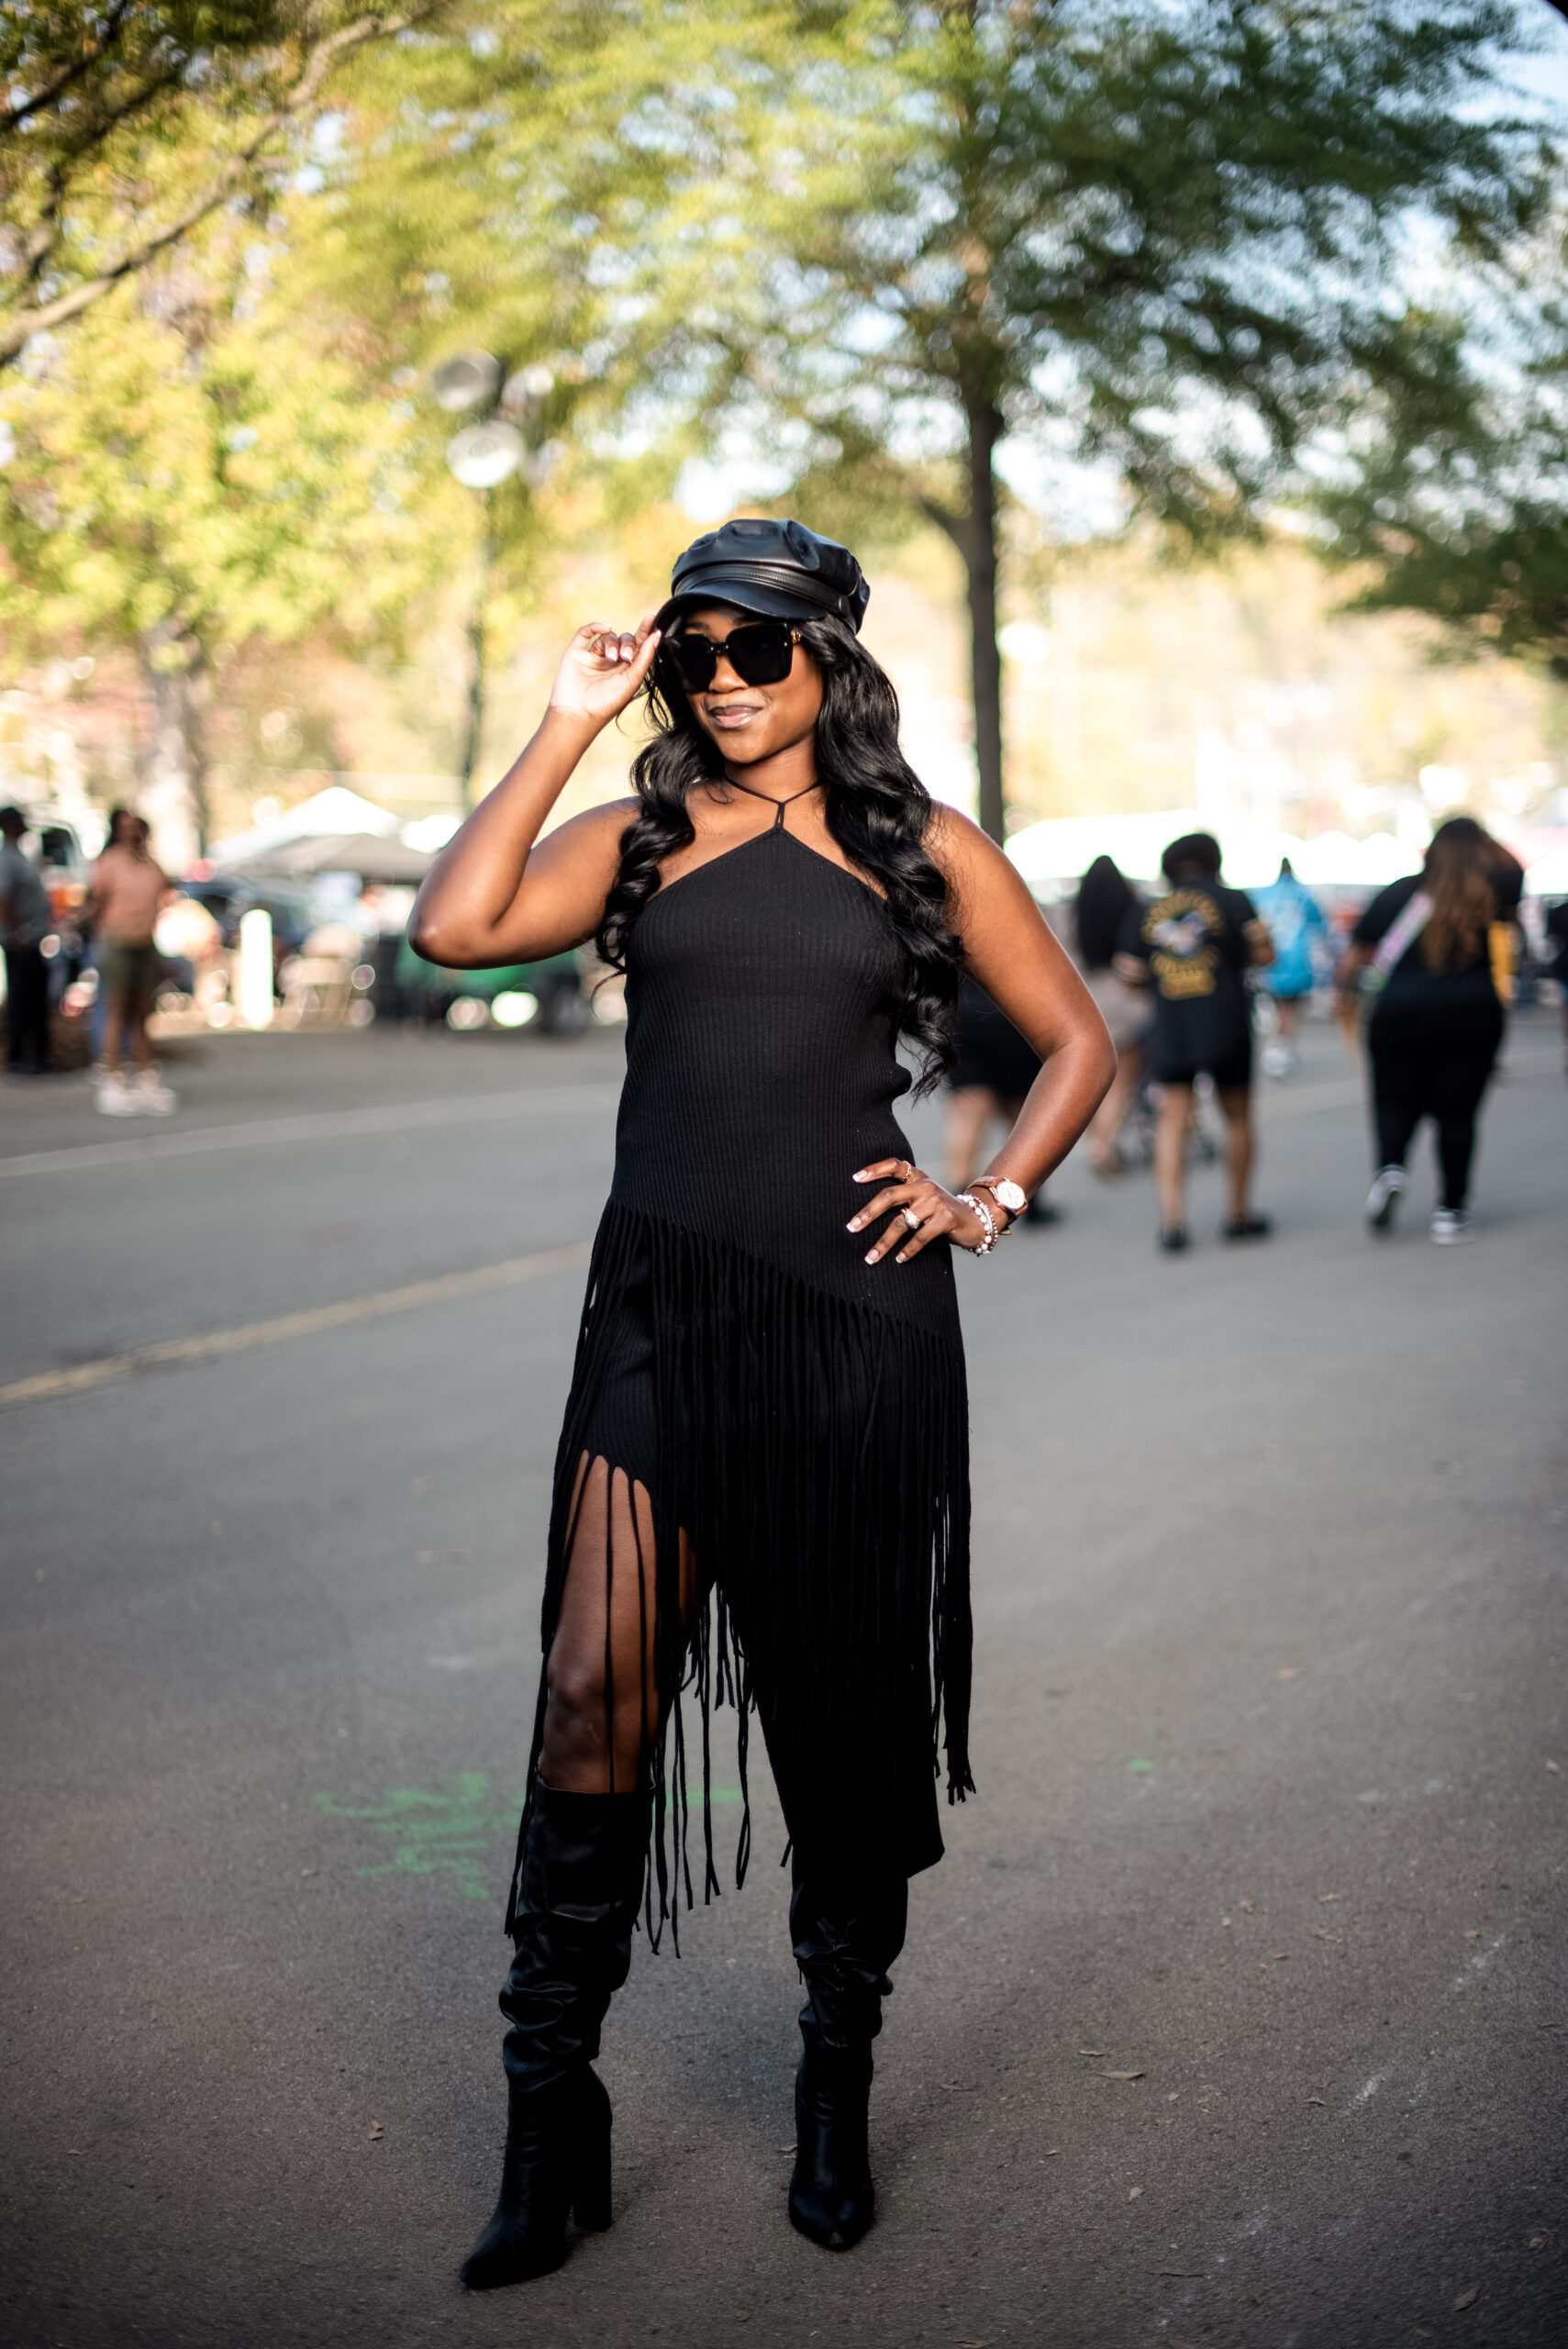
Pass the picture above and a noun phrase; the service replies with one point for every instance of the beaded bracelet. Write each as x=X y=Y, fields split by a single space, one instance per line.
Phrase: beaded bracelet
x=986 y=1218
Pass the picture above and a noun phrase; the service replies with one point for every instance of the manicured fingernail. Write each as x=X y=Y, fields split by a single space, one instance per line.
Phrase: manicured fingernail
x=899 y=1258
x=871 y=1257
x=853 y=1224
x=862 y=1177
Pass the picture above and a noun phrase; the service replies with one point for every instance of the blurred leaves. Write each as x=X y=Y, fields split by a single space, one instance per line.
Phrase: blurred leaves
x=127 y=124
x=1025 y=271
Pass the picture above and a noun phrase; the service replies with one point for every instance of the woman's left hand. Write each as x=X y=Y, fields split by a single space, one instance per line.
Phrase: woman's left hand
x=937 y=1213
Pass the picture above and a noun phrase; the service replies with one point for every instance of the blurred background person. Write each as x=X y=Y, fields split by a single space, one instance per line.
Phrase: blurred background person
x=1090 y=926
x=1422 y=960
x=122 y=907
x=1193 y=948
x=986 y=1085
x=113 y=837
x=1556 y=928
x=26 y=918
x=1299 y=935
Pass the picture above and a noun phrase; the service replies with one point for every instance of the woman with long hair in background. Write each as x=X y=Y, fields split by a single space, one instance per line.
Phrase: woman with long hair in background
x=761 y=1484
x=1096 y=918
x=1422 y=957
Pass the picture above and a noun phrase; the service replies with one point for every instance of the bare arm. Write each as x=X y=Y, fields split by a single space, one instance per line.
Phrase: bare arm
x=1260 y=945
x=1352 y=963
x=497 y=894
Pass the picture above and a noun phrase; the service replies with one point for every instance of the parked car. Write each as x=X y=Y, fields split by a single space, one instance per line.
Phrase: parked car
x=547 y=995
x=227 y=896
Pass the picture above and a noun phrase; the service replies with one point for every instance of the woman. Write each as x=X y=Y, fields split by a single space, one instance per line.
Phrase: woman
x=768 y=1403
x=1293 y=920
x=1103 y=906
x=1421 y=955
x=121 y=910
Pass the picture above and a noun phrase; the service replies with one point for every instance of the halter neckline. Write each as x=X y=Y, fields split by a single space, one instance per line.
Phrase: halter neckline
x=781 y=804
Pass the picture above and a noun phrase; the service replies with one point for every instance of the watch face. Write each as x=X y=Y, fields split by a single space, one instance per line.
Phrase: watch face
x=1010 y=1197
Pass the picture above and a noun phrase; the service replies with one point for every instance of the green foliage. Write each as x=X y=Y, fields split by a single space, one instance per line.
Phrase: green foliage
x=212 y=479
x=127 y=124
x=1160 y=245
x=1453 y=490
x=1160 y=239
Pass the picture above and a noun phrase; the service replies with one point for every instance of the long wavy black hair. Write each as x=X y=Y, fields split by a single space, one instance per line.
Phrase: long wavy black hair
x=1105 y=899
x=877 y=809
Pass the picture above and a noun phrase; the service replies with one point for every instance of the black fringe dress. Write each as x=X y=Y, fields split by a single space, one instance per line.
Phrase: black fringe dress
x=799 y=1414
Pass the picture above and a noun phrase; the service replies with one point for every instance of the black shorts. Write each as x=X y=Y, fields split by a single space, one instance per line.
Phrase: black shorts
x=1232 y=1070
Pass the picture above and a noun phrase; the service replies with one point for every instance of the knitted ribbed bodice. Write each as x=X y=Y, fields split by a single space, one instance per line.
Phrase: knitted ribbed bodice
x=762 y=995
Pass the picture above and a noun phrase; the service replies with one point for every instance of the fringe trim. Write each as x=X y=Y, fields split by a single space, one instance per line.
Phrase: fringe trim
x=816 y=1452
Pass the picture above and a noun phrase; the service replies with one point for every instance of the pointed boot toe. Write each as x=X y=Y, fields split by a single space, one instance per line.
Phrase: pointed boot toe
x=836 y=2222
x=512 y=2249
x=557 y=2164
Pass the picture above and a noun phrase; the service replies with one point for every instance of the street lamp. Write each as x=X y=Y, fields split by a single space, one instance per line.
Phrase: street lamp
x=481 y=456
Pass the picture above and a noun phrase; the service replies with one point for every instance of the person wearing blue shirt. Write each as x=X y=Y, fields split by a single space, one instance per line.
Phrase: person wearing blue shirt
x=1293 y=920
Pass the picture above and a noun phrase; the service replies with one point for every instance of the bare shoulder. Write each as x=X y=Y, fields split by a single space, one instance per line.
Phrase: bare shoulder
x=958 y=844
x=979 y=876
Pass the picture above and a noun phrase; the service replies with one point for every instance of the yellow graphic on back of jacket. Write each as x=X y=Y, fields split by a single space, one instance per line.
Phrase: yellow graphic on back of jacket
x=1182 y=931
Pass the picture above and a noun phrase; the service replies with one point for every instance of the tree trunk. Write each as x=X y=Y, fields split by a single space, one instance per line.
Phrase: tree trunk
x=974 y=535
x=978 y=547
x=474 y=725
x=174 y=788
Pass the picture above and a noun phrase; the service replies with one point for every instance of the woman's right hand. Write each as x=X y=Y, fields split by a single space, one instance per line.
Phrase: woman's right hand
x=601 y=669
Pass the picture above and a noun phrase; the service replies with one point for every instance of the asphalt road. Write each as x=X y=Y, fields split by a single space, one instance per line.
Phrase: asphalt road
x=1235 y=2014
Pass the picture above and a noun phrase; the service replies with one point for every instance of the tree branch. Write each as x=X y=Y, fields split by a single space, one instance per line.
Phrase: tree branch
x=955 y=525
x=20 y=329
x=12 y=117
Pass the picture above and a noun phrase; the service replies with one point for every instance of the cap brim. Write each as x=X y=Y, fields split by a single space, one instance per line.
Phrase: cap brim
x=742 y=594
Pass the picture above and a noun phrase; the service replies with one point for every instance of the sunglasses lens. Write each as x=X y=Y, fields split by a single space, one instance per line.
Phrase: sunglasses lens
x=695 y=661
x=760 y=652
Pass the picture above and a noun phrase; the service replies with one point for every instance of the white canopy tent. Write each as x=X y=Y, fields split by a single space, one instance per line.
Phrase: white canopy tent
x=1052 y=856
x=335 y=810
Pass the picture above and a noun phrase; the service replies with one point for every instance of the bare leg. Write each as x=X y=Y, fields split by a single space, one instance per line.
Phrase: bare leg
x=1287 y=1012
x=141 y=1043
x=1108 y=1119
x=602 y=1709
x=114 y=1028
x=1236 y=1103
x=1170 y=1150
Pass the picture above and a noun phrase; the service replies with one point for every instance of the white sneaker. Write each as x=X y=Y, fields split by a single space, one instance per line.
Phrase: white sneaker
x=1450 y=1224
x=1278 y=1060
x=1383 y=1197
x=153 y=1095
x=115 y=1098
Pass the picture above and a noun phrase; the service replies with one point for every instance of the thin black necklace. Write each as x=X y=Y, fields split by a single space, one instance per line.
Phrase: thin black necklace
x=777 y=824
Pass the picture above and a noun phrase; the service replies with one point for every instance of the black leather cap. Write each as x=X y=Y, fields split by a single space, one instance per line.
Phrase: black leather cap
x=780 y=569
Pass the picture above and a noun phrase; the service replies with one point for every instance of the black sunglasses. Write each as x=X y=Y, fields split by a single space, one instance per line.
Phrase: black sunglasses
x=760 y=652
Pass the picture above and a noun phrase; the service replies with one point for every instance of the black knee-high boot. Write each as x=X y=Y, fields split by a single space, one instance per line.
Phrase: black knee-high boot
x=579 y=1887
x=844 y=1942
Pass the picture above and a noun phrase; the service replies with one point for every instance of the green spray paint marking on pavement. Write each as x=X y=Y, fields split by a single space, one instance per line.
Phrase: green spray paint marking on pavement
x=434 y=1834
x=452 y=1834
x=1140 y=1766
